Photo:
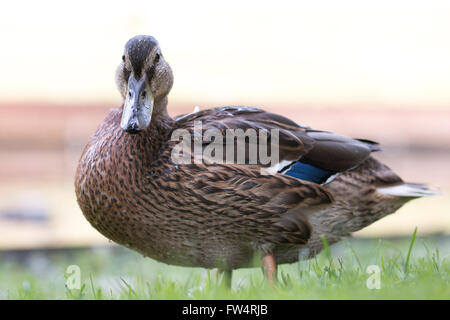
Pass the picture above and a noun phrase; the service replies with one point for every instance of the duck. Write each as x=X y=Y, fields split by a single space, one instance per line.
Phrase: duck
x=131 y=186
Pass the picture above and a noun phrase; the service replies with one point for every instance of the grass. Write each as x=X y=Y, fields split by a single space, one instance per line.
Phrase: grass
x=407 y=268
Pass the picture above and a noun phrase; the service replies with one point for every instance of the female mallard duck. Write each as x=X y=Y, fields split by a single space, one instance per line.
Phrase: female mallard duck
x=221 y=214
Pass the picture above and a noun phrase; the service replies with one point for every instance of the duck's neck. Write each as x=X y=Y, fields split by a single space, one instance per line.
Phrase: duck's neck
x=145 y=145
x=161 y=121
x=159 y=129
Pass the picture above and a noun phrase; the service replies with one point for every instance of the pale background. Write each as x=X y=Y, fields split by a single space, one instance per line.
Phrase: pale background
x=372 y=69
x=296 y=52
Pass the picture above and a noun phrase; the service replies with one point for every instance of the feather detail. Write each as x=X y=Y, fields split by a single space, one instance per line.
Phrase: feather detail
x=414 y=190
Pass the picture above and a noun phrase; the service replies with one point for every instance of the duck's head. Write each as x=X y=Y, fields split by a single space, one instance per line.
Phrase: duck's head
x=144 y=79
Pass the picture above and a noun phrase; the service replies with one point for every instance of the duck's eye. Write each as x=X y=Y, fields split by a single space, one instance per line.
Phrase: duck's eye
x=158 y=55
x=123 y=58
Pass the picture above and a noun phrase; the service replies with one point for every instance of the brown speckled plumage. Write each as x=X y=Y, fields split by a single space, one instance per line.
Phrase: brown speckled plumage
x=221 y=215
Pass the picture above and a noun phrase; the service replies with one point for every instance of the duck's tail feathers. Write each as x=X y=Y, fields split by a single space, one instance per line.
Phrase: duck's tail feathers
x=410 y=190
x=373 y=146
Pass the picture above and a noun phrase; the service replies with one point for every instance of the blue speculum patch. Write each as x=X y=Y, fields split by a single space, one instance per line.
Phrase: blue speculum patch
x=308 y=172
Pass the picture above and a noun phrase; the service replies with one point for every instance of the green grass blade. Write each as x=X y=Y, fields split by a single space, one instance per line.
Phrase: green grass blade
x=410 y=250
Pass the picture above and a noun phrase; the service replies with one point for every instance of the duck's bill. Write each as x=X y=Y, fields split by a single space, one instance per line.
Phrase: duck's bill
x=138 y=106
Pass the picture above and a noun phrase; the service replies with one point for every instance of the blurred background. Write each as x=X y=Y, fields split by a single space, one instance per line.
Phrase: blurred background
x=375 y=70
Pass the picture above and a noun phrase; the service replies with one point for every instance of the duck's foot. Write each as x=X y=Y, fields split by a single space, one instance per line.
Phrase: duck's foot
x=225 y=277
x=269 y=268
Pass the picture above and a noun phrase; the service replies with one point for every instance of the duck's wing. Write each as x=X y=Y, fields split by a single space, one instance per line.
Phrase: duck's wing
x=293 y=141
x=262 y=209
x=319 y=149
x=270 y=208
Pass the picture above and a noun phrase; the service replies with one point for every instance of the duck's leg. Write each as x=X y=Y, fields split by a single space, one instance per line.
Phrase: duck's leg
x=225 y=276
x=269 y=268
